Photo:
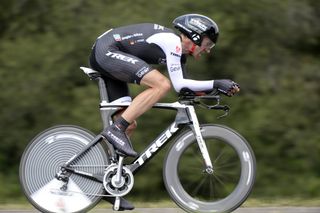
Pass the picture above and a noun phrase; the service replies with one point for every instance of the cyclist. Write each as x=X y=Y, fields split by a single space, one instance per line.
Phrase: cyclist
x=123 y=55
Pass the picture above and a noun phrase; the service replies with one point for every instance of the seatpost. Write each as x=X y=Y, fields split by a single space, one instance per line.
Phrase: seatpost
x=102 y=90
x=104 y=98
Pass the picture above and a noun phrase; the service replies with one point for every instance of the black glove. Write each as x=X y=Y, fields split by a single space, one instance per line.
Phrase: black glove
x=226 y=86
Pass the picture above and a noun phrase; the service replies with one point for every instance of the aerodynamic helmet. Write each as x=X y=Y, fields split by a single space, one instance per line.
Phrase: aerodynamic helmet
x=196 y=26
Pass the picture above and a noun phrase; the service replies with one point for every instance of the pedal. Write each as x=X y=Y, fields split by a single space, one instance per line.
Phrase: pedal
x=116 y=205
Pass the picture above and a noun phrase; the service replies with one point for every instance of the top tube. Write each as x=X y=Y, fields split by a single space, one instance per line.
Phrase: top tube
x=173 y=105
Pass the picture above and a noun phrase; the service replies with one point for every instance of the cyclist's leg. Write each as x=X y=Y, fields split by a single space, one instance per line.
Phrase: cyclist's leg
x=118 y=92
x=125 y=68
x=131 y=127
x=158 y=85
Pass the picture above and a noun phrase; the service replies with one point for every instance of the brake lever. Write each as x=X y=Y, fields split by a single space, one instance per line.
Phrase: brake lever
x=225 y=108
x=217 y=106
x=226 y=113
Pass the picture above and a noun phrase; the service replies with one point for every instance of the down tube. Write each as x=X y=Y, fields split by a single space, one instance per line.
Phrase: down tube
x=154 y=148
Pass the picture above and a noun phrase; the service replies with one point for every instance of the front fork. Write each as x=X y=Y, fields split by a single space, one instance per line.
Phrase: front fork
x=201 y=143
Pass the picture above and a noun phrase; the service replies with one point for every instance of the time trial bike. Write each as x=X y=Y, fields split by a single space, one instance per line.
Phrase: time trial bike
x=208 y=168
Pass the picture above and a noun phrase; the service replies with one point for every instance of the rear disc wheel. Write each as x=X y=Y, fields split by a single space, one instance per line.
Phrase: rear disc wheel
x=42 y=160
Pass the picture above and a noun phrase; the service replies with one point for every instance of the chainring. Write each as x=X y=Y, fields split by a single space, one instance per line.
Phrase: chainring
x=122 y=188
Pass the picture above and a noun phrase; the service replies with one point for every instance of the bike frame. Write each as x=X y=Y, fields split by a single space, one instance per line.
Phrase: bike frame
x=185 y=116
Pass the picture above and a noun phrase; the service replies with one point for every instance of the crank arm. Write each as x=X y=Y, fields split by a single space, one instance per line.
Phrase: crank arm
x=116 y=205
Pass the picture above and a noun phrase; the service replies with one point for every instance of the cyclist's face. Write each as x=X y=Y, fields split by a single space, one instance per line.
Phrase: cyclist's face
x=206 y=46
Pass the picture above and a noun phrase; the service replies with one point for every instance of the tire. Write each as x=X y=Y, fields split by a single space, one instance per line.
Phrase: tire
x=195 y=190
x=41 y=161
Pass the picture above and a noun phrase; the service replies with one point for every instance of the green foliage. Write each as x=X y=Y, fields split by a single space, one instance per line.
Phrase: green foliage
x=270 y=47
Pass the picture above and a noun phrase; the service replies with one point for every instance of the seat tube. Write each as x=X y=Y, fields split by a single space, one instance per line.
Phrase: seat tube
x=105 y=115
x=201 y=142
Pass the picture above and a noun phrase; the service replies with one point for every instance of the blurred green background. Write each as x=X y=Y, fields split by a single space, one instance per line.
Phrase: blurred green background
x=270 y=47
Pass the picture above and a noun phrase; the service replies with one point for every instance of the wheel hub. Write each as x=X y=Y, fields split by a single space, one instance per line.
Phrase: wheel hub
x=209 y=170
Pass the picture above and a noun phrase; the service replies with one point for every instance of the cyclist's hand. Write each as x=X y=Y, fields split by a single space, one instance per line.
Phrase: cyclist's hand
x=226 y=86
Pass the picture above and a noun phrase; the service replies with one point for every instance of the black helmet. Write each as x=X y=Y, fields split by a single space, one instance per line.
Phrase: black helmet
x=195 y=26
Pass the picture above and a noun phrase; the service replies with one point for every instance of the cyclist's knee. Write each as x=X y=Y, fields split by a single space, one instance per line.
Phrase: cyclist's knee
x=165 y=84
x=155 y=79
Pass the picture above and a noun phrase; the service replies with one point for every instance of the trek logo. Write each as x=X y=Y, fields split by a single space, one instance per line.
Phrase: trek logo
x=175 y=54
x=115 y=138
x=157 y=144
x=121 y=57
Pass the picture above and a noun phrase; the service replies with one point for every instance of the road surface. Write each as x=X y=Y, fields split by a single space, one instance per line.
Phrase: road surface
x=176 y=210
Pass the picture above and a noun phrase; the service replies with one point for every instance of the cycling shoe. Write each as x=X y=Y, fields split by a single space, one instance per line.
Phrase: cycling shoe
x=119 y=140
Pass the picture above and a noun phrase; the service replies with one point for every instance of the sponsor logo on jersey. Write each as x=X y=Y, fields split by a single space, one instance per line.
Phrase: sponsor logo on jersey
x=174 y=67
x=136 y=41
x=117 y=37
x=175 y=54
x=142 y=71
x=178 y=49
x=158 y=27
x=162 y=61
x=121 y=57
x=131 y=36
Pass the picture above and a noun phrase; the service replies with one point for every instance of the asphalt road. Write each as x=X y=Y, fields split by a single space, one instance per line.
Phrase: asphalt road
x=176 y=210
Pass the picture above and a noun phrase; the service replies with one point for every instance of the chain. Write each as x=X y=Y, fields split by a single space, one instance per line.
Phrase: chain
x=67 y=193
x=77 y=166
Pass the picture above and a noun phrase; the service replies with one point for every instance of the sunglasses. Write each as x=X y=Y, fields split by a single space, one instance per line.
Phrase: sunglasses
x=207 y=44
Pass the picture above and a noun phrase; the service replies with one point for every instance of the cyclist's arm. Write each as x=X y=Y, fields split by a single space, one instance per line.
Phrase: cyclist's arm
x=178 y=80
x=172 y=49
